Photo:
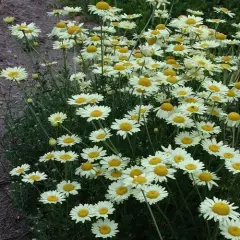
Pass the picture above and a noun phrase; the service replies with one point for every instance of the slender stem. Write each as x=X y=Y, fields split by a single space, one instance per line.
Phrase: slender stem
x=153 y=218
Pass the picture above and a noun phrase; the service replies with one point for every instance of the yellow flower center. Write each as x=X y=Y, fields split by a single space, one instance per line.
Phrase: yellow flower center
x=167 y=107
x=123 y=50
x=93 y=154
x=169 y=72
x=236 y=166
x=96 y=113
x=225 y=66
x=135 y=172
x=28 y=31
x=191 y=21
x=35 y=177
x=87 y=166
x=237 y=85
x=114 y=162
x=152 y=194
x=155 y=32
x=126 y=127
x=182 y=93
x=160 y=27
x=205 y=176
x=104 y=229
x=123 y=58
x=216 y=98
x=228 y=155
x=161 y=170
x=234 y=231
x=178 y=47
x=190 y=166
x=191 y=100
x=214 y=88
x=139 y=180
x=138 y=55
x=20 y=170
x=204 y=45
x=234 y=116
x=102 y=5
x=193 y=109
x=214 y=148
x=151 y=41
x=179 y=119
x=103 y=211
x=178 y=158
x=52 y=198
x=61 y=25
x=186 y=140
x=101 y=136
x=121 y=191
x=116 y=174
x=68 y=187
x=146 y=82
x=91 y=49
x=226 y=58
x=95 y=38
x=179 y=39
x=68 y=140
x=83 y=213
x=171 y=61
x=221 y=208
x=155 y=160
x=74 y=29
x=207 y=127
x=13 y=74
x=80 y=100
x=224 y=9
x=220 y=36
x=66 y=156
x=171 y=79
x=119 y=67
x=231 y=93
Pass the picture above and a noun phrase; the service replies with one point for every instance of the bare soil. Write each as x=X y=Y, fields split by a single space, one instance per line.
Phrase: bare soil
x=12 y=223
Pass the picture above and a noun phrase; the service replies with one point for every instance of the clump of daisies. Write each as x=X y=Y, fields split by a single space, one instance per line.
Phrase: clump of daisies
x=145 y=126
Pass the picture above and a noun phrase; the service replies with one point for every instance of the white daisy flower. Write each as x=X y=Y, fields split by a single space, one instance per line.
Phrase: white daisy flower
x=57 y=118
x=165 y=110
x=153 y=160
x=103 y=209
x=139 y=181
x=114 y=162
x=180 y=92
x=208 y=128
x=153 y=194
x=68 y=187
x=192 y=108
x=52 y=197
x=231 y=229
x=46 y=157
x=63 y=156
x=113 y=174
x=94 y=153
x=105 y=228
x=212 y=146
x=233 y=119
x=233 y=166
x=180 y=120
x=161 y=172
x=94 y=112
x=82 y=213
x=68 y=140
x=218 y=210
x=78 y=100
x=191 y=166
x=118 y=192
x=34 y=177
x=17 y=171
x=187 y=139
x=204 y=178
x=15 y=73
x=86 y=169
x=228 y=153
x=100 y=135
x=178 y=155
x=125 y=126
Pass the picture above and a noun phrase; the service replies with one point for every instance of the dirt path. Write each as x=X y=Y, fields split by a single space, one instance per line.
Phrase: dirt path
x=12 y=224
